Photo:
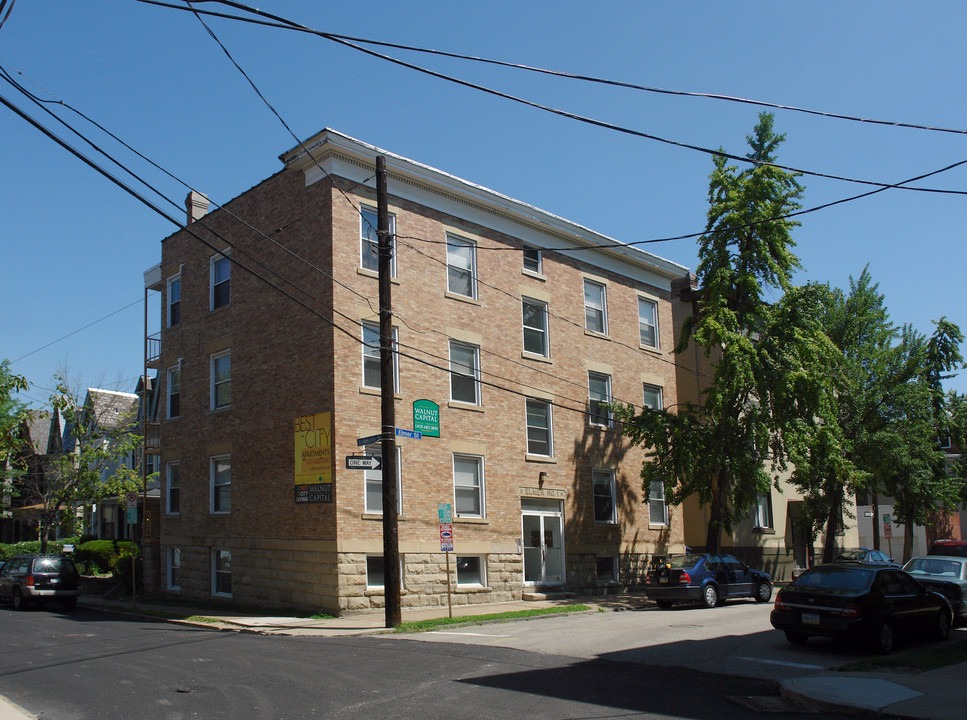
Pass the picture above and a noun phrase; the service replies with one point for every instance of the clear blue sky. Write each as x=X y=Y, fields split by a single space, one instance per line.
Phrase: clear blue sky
x=75 y=246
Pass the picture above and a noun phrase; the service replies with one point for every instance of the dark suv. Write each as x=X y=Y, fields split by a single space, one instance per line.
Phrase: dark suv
x=957 y=548
x=39 y=578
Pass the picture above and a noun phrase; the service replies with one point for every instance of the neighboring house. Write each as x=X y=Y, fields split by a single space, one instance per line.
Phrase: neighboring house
x=516 y=328
x=42 y=437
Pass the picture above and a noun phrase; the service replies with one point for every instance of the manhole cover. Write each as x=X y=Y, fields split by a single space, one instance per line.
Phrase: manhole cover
x=769 y=704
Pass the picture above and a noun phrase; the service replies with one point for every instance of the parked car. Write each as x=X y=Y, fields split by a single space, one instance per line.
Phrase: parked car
x=949 y=547
x=868 y=603
x=866 y=555
x=946 y=575
x=40 y=578
x=707 y=579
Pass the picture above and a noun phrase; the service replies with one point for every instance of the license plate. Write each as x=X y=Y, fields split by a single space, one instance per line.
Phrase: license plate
x=662 y=581
x=810 y=619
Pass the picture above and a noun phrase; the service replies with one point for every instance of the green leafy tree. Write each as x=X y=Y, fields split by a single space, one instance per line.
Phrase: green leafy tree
x=12 y=415
x=769 y=358
x=96 y=462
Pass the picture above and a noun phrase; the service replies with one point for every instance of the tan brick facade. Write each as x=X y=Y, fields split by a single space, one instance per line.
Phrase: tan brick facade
x=287 y=361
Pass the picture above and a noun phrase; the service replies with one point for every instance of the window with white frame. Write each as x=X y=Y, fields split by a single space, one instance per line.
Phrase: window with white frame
x=174 y=392
x=221 y=281
x=602 y=485
x=174 y=568
x=461 y=266
x=648 y=322
x=221 y=484
x=221 y=379
x=464 y=373
x=595 y=307
x=373 y=482
x=599 y=403
x=375 y=571
x=371 y=359
x=533 y=260
x=540 y=440
x=652 y=396
x=174 y=300
x=468 y=485
x=471 y=570
x=657 y=507
x=173 y=488
x=535 y=326
x=763 y=511
x=369 y=239
x=222 y=573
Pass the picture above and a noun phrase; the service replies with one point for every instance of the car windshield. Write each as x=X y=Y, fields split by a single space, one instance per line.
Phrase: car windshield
x=934 y=566
x=835 y=578
x=852 y=555
x=677 y=562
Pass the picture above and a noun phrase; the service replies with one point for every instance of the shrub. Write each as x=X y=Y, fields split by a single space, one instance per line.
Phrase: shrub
x=96 y=556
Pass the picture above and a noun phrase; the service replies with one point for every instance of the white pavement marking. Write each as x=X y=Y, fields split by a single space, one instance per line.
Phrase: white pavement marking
x=782 y=662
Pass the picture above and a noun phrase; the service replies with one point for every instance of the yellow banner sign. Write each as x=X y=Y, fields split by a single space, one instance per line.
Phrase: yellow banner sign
x=313 y=449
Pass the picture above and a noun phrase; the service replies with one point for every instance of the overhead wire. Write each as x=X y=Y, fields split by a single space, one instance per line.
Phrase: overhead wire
x=556 y=111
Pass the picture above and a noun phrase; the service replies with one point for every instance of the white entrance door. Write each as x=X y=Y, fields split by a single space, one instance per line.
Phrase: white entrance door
x=542 y=524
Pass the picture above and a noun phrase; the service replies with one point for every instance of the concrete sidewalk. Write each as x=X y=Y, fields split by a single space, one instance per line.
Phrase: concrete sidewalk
x=936 y=694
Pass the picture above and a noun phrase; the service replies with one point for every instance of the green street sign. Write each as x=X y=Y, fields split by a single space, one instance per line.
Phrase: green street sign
x=426 y=418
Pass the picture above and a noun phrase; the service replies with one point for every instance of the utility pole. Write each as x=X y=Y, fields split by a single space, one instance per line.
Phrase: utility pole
x=391 y=540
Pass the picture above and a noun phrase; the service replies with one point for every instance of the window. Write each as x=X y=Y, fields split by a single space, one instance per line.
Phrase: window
x=468 y=486
x=652 y=395
x=221 y=372
x=762 y=517
x=373 y=482
x=533 y=260
x=221 y=271
x=371 y=360
x=174 y=568
x=375 y=571
x=595 y=307
x=369 y=240
x=221 y=484
x=602 y=482
x=648 y=322
x=174 y=300
x=607 y=569
x=464 y=373
x=599 y=389
x=222 y=573
x=173 y=489
x=657 y=509
x=535 y=326
x=470 y=570
x=539 y=428
x=174 y=392
x=461 y=267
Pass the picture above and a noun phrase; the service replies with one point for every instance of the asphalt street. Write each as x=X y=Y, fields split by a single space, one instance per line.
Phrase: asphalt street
x=89 y=665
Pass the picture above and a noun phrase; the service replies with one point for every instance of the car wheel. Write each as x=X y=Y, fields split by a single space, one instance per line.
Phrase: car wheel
x=69 y=603
x=796 y=638
x=943 y=625
x=884 y=638
x=17 y=600
x=665 y=604
x=763 y=592
x=710 y=596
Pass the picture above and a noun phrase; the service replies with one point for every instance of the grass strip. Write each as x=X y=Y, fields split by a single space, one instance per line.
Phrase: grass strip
x=434 y=623
x=913 y=661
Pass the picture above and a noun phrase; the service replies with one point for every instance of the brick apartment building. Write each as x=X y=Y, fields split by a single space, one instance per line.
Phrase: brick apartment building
x=515 y=327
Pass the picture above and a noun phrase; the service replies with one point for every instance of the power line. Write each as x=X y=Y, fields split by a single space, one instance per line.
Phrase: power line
x=556 y=111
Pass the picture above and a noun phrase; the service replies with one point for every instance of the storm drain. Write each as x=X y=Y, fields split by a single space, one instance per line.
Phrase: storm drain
x=770 y=704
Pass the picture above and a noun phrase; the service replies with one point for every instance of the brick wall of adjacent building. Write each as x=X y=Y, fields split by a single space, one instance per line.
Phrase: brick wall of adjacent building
x=289 y=362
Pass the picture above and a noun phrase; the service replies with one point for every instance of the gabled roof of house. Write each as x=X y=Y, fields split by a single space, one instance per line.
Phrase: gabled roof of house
x=109 y=408
x=43 y=432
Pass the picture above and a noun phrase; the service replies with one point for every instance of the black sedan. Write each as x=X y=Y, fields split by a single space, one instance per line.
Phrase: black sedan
x=871 y=604
x=707 y=579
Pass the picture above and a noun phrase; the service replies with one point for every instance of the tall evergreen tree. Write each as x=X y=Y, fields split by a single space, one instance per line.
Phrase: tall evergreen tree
x=767 y=355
